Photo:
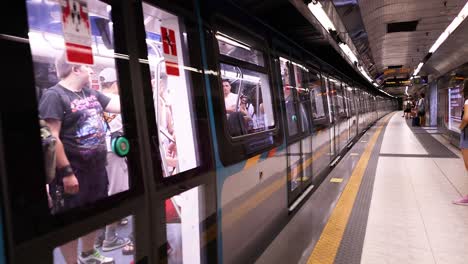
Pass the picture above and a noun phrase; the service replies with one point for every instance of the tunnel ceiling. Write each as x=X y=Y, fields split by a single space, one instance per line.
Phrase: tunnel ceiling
x=396 y=43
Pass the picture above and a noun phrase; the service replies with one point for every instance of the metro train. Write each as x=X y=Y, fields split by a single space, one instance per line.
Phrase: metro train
x=231 y=126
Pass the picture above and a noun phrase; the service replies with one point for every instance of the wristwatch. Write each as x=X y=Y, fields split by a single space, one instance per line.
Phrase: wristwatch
x=65 y=171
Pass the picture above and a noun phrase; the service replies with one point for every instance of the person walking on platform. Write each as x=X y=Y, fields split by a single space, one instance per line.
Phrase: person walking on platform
x=421 y=108
x=464 y=143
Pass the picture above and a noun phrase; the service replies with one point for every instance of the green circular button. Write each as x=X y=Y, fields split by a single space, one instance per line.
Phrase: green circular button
x=121 y=146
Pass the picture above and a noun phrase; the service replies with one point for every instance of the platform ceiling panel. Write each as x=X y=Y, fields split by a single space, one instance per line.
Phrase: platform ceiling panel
x=405 y=48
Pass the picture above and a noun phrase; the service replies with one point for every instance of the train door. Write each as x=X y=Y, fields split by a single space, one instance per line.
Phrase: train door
x=299 y=149
x=340 y=136
x=92 y=81
x=177 y=117
x=332 y=118
x=321 y=142
x=88 y=176
x=352 y=110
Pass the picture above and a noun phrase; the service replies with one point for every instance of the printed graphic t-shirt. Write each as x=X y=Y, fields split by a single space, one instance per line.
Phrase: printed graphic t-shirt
x=83 y=129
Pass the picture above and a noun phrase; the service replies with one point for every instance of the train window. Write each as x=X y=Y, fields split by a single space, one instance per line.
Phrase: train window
x=317 y=95
x=183 y=214
x=247 y=100
x=78 y=96
x=172 y=90
x=303 y=96
x=234 y=48
x=113 y=243
x=291 y=116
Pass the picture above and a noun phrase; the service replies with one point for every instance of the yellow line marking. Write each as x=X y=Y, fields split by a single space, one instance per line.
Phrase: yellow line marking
x=336 y=180
x=251 y=162
x=326 y=248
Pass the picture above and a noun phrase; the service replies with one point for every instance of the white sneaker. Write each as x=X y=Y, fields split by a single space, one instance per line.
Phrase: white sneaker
x=95 y=258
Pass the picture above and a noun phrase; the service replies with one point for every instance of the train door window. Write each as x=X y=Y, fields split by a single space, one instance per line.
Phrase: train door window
x=183 y=215
x=316 y=95
x=172 y=90
x=78 y=96
x=105 y=243
x=291 y=116
x=300 y=73
x=246 y=87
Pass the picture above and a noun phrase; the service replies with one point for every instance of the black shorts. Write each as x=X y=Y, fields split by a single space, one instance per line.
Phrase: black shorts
x=407 y=111
x=93 y=185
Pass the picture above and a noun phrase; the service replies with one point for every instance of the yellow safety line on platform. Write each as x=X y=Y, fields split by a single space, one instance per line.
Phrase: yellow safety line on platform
x=326 y=248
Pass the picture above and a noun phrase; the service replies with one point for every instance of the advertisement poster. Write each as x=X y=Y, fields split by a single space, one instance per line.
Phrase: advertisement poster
x=77 y=31
x=455 y=107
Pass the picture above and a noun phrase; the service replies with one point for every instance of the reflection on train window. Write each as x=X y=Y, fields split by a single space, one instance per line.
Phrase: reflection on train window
x=317 y=95
x=289 y=97
x=247 y=100
x=182 y=227
x=237 y=49
x=79 y=105
x=172 y=87
x=303 y=95
x=113 y=243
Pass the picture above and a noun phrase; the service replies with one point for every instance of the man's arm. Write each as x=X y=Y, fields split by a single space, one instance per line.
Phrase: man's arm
x=114 y=104
x=70 y=182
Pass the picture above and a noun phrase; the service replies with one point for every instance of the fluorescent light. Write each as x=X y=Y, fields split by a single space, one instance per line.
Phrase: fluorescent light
x=232 y=41
x=349 y=53
x=406 y=90
x=321 y=16
x=418 y=68
x=450 y=29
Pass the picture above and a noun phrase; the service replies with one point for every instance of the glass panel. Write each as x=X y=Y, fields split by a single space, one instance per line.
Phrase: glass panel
x=247 y=99
x=113 y=243
x=182 y=227
x=237 y=49
x=288 y=98
x=295 y=170
x=172 y=87
x=455 y=99
x=78 y=92
x=317 y=96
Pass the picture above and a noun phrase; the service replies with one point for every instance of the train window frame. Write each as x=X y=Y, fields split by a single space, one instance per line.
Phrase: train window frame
x=192 y=56
x=238 y=148
x=44 y=221
x=293 y=64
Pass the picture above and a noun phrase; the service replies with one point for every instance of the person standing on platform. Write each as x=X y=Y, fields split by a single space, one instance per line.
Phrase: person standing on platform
x=464 y=142
x=421 y=108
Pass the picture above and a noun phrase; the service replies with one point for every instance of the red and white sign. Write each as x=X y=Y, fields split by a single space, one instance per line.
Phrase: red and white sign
x=170 y=51
x=77 y=31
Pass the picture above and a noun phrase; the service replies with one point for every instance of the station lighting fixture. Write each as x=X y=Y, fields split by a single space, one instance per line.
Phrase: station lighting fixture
x=317 y=10
x=450 y=29
x=443 y=37
x=319 y=13
x=418 y=69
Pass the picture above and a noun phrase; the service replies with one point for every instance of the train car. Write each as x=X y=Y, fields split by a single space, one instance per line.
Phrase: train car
x=226 y=127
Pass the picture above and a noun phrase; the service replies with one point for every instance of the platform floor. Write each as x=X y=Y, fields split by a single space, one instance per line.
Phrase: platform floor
x=392 y=206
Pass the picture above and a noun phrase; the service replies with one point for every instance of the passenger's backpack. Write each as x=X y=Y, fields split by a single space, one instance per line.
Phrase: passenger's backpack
x=48 y=150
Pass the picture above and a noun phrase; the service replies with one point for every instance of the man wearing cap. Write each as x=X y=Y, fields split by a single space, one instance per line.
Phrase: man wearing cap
x=74 y=114
x=117 y=171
